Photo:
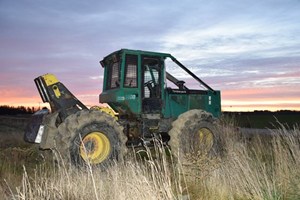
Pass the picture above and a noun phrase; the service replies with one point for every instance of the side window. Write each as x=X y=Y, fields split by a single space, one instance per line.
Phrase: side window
x=131 y=71
x=113 y=75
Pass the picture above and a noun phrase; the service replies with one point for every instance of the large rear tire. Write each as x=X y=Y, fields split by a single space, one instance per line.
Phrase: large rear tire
x=193 y=134
x=91 y=137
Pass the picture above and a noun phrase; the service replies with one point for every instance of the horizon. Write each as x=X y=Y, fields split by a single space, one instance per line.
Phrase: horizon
x=37 y=108
x=250 y=51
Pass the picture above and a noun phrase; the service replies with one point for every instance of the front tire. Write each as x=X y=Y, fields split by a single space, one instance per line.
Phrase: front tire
x=91 y=137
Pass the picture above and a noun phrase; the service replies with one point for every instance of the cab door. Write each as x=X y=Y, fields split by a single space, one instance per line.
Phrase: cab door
x=151 y=84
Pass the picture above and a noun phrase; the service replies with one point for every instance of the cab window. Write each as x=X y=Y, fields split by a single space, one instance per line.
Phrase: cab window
x=131 y=71
x=113 y=74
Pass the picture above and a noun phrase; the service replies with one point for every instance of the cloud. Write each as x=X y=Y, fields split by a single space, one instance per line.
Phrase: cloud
x=232 y=45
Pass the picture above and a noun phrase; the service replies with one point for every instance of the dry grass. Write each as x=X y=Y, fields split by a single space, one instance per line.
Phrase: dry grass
x=136 y=178
x=261 y=168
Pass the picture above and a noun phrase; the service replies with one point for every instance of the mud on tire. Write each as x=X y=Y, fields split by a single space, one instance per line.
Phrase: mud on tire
x=194 y=133
x=86 y=130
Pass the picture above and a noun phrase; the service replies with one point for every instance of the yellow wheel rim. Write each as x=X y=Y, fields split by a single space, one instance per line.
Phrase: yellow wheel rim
x=206 y=139
x=95 y=147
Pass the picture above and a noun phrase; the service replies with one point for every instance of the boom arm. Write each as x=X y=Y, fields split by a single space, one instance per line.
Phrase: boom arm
x=174 y=80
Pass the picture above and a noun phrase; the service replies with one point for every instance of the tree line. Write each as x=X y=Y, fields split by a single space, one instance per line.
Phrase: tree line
x=11 y=110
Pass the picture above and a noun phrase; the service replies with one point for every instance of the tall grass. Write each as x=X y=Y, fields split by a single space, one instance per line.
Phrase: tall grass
x=137 y=178
x=264 y=167
x=261 y=168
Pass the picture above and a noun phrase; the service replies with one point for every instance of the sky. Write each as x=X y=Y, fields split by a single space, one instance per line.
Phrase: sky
x=250 y=50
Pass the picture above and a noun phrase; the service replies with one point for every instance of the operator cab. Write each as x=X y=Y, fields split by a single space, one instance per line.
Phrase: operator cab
x=134 y=86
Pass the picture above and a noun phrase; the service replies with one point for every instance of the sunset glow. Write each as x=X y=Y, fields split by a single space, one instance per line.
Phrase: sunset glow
x=248 y=50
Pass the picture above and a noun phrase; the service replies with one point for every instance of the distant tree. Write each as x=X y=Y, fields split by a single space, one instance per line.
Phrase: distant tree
x=10 y=110
x=28 y=109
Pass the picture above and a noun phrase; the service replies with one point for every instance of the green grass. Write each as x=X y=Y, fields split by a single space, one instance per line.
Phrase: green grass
x=264 y=119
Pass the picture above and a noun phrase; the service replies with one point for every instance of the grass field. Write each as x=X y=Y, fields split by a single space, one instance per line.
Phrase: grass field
x=261 y=168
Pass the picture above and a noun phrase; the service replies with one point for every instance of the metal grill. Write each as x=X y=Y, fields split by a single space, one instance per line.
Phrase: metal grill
x=131 y=71
x=115 y=75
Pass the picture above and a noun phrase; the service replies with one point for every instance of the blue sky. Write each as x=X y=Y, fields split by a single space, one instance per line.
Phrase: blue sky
x=250 y=50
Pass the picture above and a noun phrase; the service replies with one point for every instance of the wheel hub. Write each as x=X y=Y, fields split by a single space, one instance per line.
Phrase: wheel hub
x=205 y=139
x=95 y=148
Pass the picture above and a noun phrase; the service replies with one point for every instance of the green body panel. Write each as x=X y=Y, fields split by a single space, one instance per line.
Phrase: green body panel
x=122 y=100
x=172 y=102
x=180 y=103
